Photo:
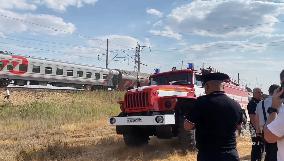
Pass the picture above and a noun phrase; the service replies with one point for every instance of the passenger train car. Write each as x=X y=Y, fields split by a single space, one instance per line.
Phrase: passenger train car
x=36 y=71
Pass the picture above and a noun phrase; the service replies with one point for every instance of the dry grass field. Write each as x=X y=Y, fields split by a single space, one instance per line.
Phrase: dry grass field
x=73 y=126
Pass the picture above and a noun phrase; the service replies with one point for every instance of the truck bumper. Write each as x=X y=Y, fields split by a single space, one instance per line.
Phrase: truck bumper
x=168 y=119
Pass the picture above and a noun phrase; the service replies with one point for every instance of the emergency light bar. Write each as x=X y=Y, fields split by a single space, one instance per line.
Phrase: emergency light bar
x=157 y=71
x=190 y=66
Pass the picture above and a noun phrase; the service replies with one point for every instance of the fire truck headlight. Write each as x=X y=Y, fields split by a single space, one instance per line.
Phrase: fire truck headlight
x=155 y=93
x=168 y=104
x=112 y=120
x=159 y=119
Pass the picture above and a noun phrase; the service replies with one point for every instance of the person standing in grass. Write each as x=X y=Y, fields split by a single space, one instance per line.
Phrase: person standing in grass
x=261 y=119
x=274 y=129
x=257 y=143
x=215 y=117
x=7 y=94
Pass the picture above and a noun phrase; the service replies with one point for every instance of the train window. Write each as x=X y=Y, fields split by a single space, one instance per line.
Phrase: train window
x=70 y=73
x=89 y=74
x=59 y=71
x=1 y=65
x=36 y=69
x=97 y=75
x=105 y=76
x=10 y=67
x=79 y=73
x=23 y=67
x=48 y=70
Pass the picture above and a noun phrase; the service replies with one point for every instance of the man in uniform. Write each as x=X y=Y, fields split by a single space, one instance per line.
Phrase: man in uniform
x=257 y=143
x=216 y=118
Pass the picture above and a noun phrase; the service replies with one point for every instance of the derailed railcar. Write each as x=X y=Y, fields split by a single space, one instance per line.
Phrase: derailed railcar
x=34 y=71
x=129 y=79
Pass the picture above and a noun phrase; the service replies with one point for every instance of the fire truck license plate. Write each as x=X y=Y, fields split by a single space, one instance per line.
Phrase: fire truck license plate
x=143 y=120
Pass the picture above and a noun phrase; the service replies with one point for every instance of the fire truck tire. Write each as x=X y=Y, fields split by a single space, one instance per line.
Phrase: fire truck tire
x=135 y=139
x=186 y=139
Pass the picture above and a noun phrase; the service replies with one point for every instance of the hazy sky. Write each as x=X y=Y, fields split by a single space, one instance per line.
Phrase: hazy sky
x=234 y=36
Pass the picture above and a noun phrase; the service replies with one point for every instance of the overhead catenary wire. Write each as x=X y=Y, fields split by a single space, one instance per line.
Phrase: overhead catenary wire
x=56 y=29
x=100 y=40
x=224 y=46
x=23 y=46
x=61 y=45
x=52 y=29
x=40 y=49
x=53 y=45
x=246 y=28
x=40 y=57
x=56 y=44
x=217 y=46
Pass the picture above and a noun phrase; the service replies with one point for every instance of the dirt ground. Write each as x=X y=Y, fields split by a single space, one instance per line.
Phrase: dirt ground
x=44 y=137
x=92 y=141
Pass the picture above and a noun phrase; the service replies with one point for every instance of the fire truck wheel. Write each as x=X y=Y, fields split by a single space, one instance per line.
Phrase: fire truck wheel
x=186 y=138
x=135 y=139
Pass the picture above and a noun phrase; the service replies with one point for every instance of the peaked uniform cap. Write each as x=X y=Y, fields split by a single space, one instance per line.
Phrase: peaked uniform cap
x=215 y=76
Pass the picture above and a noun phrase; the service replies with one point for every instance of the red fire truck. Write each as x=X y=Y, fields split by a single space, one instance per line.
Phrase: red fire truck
x=159 y=109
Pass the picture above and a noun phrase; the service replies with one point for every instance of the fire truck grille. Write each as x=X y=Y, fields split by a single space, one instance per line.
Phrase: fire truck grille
x=137 y=100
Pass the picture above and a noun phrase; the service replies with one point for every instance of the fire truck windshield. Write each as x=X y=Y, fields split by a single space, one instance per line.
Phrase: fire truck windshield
x=173 y=78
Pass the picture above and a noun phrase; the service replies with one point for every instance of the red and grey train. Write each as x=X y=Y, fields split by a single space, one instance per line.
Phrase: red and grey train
x=23 y=70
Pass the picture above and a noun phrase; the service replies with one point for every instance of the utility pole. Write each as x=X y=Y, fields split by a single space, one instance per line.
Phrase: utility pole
x=137 y=59
x=238 y=78
x=107 y=55
x=137 y=62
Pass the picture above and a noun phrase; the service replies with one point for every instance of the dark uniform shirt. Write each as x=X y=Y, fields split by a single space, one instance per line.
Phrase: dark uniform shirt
x=252 y=106
x=216 y=117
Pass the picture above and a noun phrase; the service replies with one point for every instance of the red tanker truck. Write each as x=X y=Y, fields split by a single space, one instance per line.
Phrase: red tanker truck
x=159 y=109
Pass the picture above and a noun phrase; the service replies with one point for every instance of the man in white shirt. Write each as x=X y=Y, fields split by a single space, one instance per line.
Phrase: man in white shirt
x=274 y=131
x=261 y=119
x=7 y=94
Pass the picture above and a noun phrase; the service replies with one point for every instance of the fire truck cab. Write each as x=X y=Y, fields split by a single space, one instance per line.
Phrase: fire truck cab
x=158 y=109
